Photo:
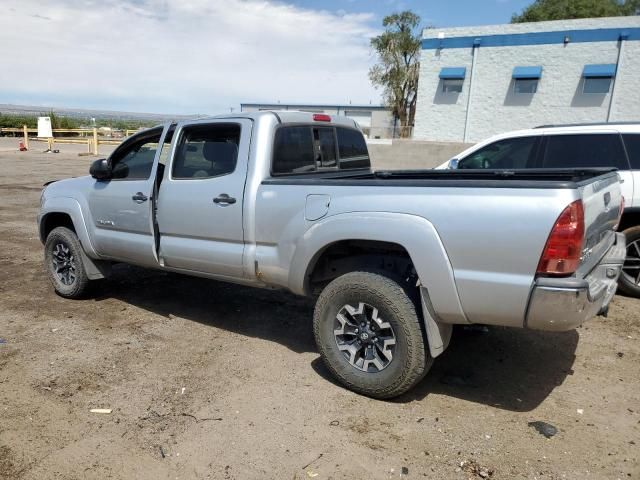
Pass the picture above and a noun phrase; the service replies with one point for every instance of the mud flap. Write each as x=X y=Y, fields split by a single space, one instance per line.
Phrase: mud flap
x=95 y=269
x=438 y=333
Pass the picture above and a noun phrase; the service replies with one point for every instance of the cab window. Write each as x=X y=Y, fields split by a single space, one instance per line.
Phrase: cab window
x=293 y=150
x=325 y=147
x=511 y=153
x=352 y=149
x=206 y=151
x=309 y=148
x=134 y=159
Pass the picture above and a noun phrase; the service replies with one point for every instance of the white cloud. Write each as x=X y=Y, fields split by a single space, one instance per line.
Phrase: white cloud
x=188 y=56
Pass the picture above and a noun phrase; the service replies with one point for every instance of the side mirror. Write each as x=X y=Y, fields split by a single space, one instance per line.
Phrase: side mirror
x=453 y=164
x=101 y=169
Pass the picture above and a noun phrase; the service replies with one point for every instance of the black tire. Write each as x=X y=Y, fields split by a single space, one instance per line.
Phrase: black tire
x=410 y=357
x=626 y=283
x=69 y=277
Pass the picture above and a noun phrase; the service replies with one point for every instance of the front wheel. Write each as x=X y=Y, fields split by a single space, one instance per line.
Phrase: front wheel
x=63 y=259
x=369 y=335
x=629 y=281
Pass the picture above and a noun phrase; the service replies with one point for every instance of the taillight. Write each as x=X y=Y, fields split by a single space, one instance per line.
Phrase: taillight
x=321 y=117
x=619 y=213
x=561 y=255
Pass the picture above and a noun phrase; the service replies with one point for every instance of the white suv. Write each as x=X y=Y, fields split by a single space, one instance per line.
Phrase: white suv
x=574 y=146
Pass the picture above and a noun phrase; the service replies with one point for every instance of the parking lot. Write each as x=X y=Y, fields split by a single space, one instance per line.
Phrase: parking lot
x=210 y=380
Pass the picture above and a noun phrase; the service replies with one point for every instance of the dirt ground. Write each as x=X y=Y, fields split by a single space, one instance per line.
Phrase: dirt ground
x=209 y=380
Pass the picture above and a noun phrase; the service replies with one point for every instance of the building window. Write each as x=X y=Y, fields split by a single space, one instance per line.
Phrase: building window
x=597 y=77
x=525 y=79
x=525 y=85
x=596 y=85
x=452 y=85
x=452 y=79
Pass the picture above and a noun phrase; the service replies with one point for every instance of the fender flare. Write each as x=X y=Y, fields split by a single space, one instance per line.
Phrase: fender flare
x=414 y=233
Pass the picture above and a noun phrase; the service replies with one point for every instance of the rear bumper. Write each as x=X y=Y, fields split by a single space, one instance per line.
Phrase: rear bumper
x=559 y=304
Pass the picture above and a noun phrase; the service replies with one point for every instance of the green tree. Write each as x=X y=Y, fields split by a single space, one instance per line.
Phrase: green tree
x=541 y=10
x=398 y=50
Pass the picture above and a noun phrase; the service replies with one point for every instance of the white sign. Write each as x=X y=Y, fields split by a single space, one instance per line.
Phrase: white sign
x=44 y=127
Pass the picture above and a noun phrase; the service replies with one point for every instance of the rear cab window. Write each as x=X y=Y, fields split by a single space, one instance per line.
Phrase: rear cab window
x=300 y=149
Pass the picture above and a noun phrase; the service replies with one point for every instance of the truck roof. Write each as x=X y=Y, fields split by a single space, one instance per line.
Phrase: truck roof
x=293 y=116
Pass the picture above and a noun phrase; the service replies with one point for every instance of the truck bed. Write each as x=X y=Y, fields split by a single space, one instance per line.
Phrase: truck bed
x=482 y=178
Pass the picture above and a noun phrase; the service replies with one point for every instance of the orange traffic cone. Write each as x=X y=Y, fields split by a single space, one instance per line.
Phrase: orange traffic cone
x=21 y=147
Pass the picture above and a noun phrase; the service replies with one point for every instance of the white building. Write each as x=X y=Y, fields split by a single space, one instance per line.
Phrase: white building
x=479 y=81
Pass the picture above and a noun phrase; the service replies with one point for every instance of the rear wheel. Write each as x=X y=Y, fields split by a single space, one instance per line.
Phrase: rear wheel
x=369 y=335
x=629 y=282
x=63 y=259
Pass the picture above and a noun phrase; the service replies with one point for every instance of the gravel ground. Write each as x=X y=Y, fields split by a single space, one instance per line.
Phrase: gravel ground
x=209 y=380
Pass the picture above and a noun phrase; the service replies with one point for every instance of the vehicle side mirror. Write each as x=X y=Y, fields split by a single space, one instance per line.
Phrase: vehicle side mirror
x=101 y=169
x=453 y=164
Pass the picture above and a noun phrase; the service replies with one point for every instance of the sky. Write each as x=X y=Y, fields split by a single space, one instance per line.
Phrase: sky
x=205 y=56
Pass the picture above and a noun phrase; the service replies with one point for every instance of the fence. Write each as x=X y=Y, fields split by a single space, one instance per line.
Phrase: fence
x=85 y=136
x=388 y=132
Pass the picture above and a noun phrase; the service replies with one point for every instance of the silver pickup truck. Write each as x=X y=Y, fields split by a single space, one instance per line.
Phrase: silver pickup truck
x=288 y=200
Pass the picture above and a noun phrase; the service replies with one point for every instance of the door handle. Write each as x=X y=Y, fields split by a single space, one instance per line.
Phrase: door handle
x=139 y=197
x=223 y=200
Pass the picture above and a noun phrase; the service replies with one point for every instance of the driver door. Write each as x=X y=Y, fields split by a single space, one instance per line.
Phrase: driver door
x=121 y=207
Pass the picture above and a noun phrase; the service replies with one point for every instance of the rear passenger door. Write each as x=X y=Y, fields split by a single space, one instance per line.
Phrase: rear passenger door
x=587 y=150
x=199 y=205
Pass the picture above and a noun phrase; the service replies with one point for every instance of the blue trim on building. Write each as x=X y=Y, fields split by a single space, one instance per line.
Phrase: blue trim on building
x=606 y=70
x=453 y=73
x=527 y=72
x=534 y=38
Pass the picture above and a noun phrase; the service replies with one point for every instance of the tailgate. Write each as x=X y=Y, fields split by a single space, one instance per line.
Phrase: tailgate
x=602 y=200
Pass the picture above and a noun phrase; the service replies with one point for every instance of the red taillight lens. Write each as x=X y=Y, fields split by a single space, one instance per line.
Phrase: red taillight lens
x=321 y=117
x=561 y=255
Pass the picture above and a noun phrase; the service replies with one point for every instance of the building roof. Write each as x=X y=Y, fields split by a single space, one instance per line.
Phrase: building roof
x=279 y=106
x=528 y=27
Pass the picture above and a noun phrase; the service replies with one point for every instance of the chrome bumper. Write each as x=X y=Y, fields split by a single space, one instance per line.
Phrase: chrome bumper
x=559 y=304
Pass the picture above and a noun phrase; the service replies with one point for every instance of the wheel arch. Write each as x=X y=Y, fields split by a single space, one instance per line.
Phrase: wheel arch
x=52 y=220
x=630 y=218
x=59 y=211
x=67 y=212
x=410 y=237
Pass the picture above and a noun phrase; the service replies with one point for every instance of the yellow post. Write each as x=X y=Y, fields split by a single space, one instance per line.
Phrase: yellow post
x=89 y=145
x=95 y=141
x=50 y=143
x=26 y=136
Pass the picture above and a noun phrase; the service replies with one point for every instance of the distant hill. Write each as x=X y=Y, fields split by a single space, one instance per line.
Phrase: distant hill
x=8 y=109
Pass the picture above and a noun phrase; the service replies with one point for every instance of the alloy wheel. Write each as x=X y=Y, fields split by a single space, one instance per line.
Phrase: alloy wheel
x=366 y=340
x=63 y=262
